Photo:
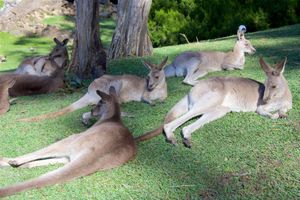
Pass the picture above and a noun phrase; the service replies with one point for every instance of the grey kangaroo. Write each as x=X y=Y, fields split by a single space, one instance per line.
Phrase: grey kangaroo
x=39 y=66
x=132 y=88
x=194 y=65
x=215 y=97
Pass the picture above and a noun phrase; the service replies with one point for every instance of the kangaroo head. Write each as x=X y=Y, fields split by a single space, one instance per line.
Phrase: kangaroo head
x=275 y=84
x=107 y=106
x=50 y=66
x=242 y=44
x=156 y=74
x=60 y=50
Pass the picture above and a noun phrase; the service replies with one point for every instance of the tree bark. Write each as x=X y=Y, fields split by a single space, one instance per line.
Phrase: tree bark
x=131 y=36
x=88 y=56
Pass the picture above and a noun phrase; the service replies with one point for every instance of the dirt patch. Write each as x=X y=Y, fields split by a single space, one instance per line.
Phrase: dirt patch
x=25 y=17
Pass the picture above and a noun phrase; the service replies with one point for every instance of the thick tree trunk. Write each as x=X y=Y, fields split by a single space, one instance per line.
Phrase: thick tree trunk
x=88 y=56
x=131 y=36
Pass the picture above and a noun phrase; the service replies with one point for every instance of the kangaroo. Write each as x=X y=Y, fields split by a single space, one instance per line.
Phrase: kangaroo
x=107 y=144
x=215 y=97
x=38 y=65
x=132 y=88
x=26 y=84
x=194 y=65
x=4 y=96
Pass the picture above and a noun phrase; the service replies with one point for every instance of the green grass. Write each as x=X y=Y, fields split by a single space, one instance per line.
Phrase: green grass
x=241 y=156
x=1 y=3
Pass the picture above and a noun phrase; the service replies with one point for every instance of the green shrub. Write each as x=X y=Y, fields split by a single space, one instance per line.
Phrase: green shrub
x=1 y=3
x=204 y=19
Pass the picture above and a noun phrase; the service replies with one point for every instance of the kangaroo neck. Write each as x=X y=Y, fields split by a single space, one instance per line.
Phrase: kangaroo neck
x=234 y=58
x=114 y=115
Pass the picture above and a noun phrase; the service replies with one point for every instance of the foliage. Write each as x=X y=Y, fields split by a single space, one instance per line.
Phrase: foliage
x=241 y=156
x=216 y=18
x=1 y=3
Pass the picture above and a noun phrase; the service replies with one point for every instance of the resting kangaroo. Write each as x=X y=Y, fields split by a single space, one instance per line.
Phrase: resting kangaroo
x=24 y=84
x=215 y=97
x=132 y=88
x=107 y=144
x=38 y=65
x=194 y=65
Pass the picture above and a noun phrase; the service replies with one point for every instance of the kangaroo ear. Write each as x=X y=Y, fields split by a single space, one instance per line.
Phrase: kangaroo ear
x=103 y=95
x=57 y=41
x=116 y=85
x=148 y=64
x=279 y=67
x=112 y=91
x=65 y=41
x=163 y=63
x=240 y=35
x=265 y=66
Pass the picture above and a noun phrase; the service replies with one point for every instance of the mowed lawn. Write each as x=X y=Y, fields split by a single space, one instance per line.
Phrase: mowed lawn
x=240 y=156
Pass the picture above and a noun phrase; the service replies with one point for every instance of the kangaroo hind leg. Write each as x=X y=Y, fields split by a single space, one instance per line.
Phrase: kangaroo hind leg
x=210 y=115
x=56 y=150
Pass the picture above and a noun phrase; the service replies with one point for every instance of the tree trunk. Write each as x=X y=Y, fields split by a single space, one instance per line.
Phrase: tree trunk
x=131 y=36
x=88 y=56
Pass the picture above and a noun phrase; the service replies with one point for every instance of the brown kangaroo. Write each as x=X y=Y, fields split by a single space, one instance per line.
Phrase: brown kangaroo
x=194 y=65
x=215 y=97
x=38 y=65
x=24 y=84
x=132 y=88
x=107 y=144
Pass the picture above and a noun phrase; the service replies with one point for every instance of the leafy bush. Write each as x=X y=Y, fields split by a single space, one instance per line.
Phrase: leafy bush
x=1 y=3
x=204 y=19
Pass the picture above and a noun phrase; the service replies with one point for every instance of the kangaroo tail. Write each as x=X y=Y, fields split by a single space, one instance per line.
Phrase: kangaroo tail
x=170 y=70
x=149 y=135
x=81 y=103
x=180 y=108
x=70 y=171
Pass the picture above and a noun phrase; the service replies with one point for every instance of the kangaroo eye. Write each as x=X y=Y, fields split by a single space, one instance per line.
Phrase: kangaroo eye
x=156 y=77
x=274 y=86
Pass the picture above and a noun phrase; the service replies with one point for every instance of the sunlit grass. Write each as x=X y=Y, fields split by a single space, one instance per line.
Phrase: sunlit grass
x=241 y=156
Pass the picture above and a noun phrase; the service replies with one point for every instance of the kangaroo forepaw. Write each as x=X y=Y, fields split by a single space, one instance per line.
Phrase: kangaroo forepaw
x=282 y=115
x=85 y=122
x=13 y=163
x=187 y=143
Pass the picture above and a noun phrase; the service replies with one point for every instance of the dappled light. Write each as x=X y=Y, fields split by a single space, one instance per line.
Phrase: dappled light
x=242 y=155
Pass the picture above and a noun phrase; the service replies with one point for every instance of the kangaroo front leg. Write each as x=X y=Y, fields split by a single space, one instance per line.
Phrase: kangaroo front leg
x=86 y=118
x=58 y=149
x=210 y=115
x=265 y=110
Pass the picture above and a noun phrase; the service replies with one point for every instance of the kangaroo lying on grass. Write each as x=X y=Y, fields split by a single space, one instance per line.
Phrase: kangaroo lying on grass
x=213 y=98
x=107 y=144
x=24 y=84
x=132 y=88
x=37 y=65
x=194 y=65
